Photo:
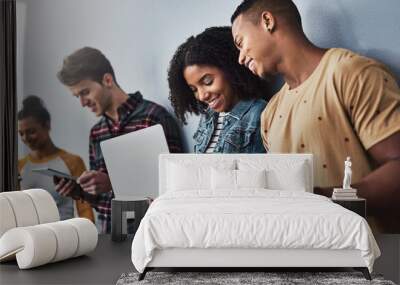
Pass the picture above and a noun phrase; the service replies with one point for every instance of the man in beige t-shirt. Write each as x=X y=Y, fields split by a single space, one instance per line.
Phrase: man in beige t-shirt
x=334 y=104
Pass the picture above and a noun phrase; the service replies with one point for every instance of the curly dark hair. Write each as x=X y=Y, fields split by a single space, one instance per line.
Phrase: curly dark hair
x=214 y=47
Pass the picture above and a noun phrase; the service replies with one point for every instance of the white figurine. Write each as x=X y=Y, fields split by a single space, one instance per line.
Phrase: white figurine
x=347 y=174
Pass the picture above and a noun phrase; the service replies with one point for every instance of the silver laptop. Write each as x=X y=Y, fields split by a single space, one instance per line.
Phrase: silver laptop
x=132 y=162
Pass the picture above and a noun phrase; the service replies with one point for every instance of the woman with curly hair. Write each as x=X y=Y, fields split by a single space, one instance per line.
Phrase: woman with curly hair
x=205 y=79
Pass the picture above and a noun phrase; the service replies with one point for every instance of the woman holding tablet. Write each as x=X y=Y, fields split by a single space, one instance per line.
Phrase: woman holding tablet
x=34 y=130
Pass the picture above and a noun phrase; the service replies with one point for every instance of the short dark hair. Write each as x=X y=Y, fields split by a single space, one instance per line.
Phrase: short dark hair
x=33 y=106
x=85 y=64
x=254 y=8
x=213 y=47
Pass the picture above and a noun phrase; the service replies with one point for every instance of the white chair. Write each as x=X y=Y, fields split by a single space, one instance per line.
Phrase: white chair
x=31 y=233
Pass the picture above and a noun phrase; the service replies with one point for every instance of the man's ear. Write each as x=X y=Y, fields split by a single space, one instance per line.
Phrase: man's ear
x=108 y=80
x=268 y=21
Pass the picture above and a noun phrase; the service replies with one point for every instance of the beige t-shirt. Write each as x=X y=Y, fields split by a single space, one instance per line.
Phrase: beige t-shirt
x=348 y=104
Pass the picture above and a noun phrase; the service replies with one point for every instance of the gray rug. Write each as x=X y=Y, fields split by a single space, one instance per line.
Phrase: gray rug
x=243 y=278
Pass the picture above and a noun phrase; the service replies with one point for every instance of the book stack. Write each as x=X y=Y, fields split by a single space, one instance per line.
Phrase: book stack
x=344 y=194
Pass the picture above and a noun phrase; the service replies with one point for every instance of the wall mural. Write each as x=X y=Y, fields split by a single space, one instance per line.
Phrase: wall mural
x=107 y=71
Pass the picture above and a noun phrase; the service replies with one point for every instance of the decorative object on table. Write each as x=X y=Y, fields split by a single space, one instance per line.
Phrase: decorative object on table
x=347 y=174
x=244 y=278
x=123 y=210
x=347 y=192
x=32 y=234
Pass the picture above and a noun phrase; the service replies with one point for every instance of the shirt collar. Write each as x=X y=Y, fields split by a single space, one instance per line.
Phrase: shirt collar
x=130 y=105
x=237 y=111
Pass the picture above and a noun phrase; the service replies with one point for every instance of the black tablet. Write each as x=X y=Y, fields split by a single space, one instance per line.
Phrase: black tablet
x=53 y=172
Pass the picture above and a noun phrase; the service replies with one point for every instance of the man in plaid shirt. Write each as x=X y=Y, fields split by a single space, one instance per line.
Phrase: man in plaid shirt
x=90 y=77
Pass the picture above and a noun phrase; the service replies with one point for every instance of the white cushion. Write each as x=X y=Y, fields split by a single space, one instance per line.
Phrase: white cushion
x=223 y=179
x=227 y=179
x=281 y=174
x=251 y=178
x=193 y=174
x=23 y=208
x=67 y=239
x=26 y=208
x=7 y=218
x=40 y=244
x=87 y=233
x=32 y=246
x=293 y=179
x=45 y=206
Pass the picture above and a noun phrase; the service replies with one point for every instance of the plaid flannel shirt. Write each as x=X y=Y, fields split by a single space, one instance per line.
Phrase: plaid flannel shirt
x=135 y=114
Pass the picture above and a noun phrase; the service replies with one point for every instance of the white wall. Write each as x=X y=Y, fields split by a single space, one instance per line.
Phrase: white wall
x=368 y=27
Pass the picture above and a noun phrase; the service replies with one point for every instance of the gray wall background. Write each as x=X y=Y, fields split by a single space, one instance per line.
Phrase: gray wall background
x=140 y=36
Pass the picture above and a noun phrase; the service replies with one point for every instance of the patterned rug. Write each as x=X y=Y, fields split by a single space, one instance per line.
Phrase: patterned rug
x=243 y=278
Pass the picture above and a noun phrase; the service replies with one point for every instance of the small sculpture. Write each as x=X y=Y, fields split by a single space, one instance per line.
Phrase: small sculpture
x=347 y=174
x=345 y=193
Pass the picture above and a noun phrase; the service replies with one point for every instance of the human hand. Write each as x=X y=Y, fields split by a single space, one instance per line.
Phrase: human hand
x=94 y=182
x=66 y=187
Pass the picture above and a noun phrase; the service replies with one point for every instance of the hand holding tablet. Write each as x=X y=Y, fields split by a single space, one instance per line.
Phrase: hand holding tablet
x=66 y=185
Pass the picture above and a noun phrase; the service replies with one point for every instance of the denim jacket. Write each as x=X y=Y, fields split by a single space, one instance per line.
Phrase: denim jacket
x=240 y=133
